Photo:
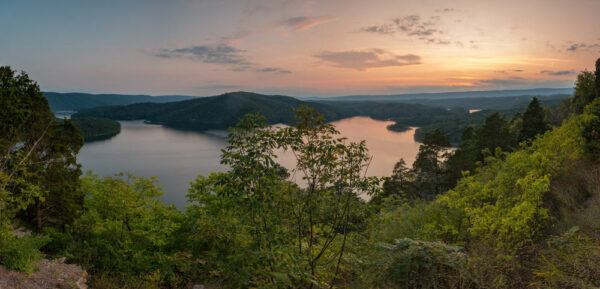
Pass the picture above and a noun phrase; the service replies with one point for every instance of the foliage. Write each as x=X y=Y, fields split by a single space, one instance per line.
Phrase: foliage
x=37 y=161
x=591 y=129
x=585 y=91
x=533 y=121
x=75 y=101
x=20 y=253
x=570 y=260
x=223 y=111
x=286 y=235
x=125 y=231
x=96 y=128
x=409 y=263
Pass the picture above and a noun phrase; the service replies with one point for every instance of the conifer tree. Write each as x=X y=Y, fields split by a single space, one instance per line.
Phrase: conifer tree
x=533 y=121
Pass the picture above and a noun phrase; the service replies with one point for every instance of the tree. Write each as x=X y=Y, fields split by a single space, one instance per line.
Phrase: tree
x=533 y=121
x=494 y=133
x=39 y=152
x=401 y=184
x=428 y=165
x=25 y=119
x=463 y=159
x=260 y=229
x=598 y=77
x=585 y=91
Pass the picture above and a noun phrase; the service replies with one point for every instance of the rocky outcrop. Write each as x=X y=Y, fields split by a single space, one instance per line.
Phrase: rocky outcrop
x=51 y=274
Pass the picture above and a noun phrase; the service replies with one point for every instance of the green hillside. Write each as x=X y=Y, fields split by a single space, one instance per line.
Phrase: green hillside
x=78 y=101
x=93 y=129
x=223 y=111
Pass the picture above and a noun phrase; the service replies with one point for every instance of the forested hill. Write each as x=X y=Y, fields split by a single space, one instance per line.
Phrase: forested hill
x=78 y=101
x=223 y=111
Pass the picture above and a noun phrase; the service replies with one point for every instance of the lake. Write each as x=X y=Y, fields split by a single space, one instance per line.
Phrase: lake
x=177 y=157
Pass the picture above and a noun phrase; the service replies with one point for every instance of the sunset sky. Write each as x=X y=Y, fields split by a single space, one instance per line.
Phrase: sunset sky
x=300 y=48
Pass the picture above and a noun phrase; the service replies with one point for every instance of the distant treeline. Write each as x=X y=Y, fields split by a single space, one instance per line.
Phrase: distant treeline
x=223 y=111
x=220 y=112
x=93 y=129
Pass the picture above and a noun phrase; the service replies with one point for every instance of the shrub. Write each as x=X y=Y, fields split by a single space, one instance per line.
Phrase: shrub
x=20 y=253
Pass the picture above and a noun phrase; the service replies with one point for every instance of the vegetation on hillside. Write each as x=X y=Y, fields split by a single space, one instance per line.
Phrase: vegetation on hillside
x=515 y=205
x=224 y=111
x=93 y=129
x=77 y=101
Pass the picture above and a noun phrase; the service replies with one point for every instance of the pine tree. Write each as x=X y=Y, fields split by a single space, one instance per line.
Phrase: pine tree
x=533 y=121
x=428 y=165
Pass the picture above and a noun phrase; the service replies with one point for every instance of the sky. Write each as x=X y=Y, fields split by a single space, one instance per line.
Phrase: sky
x=299 y=47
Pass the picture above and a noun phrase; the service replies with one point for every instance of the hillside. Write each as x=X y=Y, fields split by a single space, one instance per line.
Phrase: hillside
x=78 y=101
x=223 y=111
x=93 y=129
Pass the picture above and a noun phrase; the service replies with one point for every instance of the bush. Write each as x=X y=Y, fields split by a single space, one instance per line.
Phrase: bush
x=412 y=263
x=571 y=260
x=20 y=253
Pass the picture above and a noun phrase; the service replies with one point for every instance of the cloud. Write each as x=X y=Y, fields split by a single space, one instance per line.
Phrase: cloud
x=274 y=69
x=573 y=47
x=306 y=22
x=217 y=54
x=218 y=87
x=503 y=81
x=558 y=72
x=520 y=82
x=445 y=10
x=413 y=25
x=428 y=30
x=221 y=53
x=367 y=59
x=380 y=29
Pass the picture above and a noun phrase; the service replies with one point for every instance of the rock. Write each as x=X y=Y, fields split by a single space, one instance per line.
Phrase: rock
x=51 y=274
x=198 y=286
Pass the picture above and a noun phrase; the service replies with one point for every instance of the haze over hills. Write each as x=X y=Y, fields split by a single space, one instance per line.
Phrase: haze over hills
x=496 y=99
x=445 y=95
x=78 y=101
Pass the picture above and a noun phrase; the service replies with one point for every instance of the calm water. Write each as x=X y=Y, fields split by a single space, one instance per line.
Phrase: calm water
x=177 y=157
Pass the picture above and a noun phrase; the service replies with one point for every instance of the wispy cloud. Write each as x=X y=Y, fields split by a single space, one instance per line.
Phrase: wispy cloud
x=573 y=47
x=412 y=25
x=444 y=10
x=218 y=54
x=367 y=59
x=520 y=82
x=307 y=22
x=511 y=81
x=274 y=69
x=558 y=72
x=218 y=87
x=426 y=29
x=222 y=53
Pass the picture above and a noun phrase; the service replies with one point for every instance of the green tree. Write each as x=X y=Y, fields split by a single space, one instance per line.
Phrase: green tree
x=597 y=75
x=38 y=151
x=585 y=91
x=463 y=159
x=400 y=184
x=125 y=233
x=493 y=134
x=286 y=235
x=533 y=121
x=428 y=165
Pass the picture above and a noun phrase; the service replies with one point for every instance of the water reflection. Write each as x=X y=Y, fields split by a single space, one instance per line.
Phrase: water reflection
x=176 y=157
